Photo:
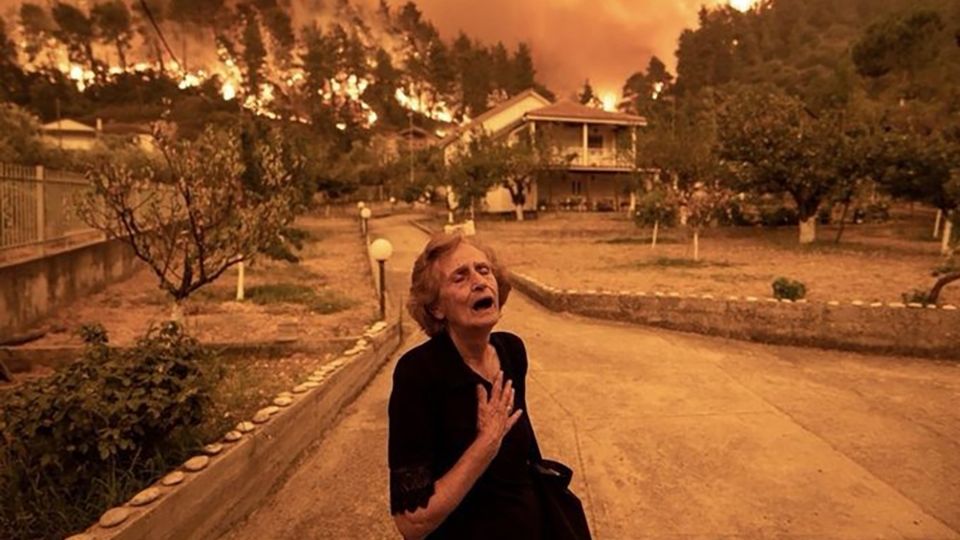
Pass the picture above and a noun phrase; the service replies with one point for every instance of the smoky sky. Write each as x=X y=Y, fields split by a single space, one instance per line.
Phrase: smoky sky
x=573 y=40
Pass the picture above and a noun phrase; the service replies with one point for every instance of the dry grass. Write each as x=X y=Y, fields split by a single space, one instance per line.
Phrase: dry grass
x=608 y=252
x=328 y=294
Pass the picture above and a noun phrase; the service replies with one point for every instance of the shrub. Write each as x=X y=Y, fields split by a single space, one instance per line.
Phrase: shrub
x=917 y=296
x=655 y=206
x=877 y=213
x=825 y=215
x=733 y=214
x=99 y=430
x=779 y=217
x=788 y=289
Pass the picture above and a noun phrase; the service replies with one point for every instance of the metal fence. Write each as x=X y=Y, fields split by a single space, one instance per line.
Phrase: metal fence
x=38 y=206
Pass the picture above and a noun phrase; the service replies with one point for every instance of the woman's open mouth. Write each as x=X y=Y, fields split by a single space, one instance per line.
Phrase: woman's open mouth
x=483 y=304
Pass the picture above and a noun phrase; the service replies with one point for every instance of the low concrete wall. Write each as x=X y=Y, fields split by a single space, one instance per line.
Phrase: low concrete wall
x=32 y=289
x=237 y=479
x=892 y=328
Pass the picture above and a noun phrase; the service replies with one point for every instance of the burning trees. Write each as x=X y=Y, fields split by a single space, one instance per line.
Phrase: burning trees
x=193 y=214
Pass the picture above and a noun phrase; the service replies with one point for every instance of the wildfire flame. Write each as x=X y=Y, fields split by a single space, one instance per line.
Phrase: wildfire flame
x=657 y=88
x=418 y=103
x=609 y=101
x=343 y=90
x=742 y=5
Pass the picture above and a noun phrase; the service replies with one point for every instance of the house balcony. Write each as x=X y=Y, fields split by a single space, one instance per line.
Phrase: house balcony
x=596 y=159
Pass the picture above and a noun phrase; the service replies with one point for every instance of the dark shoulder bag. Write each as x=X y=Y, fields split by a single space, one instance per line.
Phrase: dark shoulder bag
x=563 y=515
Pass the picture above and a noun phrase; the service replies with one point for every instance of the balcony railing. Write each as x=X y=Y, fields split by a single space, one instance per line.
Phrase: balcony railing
x=598 y=158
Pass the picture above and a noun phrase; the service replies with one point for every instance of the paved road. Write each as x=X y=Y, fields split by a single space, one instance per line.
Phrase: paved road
x=675 y=435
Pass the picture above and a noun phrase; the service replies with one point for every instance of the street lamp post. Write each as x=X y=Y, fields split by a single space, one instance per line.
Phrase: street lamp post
x=364 y=216
x=381 y=250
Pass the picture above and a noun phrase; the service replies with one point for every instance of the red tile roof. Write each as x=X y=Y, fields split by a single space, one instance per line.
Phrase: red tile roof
x=571 y=111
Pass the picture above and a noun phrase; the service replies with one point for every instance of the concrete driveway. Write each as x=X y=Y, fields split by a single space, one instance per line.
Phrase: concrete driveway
x=675 y=435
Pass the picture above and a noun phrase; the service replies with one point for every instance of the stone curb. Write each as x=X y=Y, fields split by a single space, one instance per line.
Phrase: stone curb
x=423 y=228
x=211 y=492
x=891 y=328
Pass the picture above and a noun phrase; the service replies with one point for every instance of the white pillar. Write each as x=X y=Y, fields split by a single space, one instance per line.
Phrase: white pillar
x=583 y=151
x=947 y=234
x=241 y=286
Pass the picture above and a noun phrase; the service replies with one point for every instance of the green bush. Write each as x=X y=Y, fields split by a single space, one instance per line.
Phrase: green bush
x=97 y=431
x=788 y=289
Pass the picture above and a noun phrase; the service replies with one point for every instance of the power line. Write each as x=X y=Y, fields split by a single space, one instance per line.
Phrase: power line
x=156 y=27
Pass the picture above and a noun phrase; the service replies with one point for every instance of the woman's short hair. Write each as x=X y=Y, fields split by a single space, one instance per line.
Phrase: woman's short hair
x=425 y=283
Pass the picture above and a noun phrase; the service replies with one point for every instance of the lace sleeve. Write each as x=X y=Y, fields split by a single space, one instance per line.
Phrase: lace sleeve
x=411 y=450
x=410 y=488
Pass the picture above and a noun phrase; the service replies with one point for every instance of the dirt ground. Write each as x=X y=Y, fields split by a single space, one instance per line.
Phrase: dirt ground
x=873 y=262
x=334 y=264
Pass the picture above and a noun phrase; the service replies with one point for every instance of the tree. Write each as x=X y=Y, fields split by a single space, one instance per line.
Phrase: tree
x=859 y=163
x=12 y=78
x=643 y=89
x=476 y=169
x=76 y=32
x=111 y=21
x=524 y=74
x=473 y=64
x=501 y=69
x=147 y=10
x=919 y=168
x=686 y=155
x=381 y=93
x=21 y=136
x=779 y=146
x=898 y=43
x=254 y=51
x=523 y=160
x=280 y=27
x=946 y=275
x=521 y=163
x=586 y=95
x=440 y=71
x=38 y=27
x=191 y=217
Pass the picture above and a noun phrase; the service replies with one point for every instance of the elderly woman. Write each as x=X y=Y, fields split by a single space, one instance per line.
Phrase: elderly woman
x=459 y=441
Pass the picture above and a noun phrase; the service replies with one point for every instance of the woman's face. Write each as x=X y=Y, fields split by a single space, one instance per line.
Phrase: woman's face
x=469 y=297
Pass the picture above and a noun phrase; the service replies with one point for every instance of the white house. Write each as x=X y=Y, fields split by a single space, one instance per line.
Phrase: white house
x=69 y=134
x=598 y=147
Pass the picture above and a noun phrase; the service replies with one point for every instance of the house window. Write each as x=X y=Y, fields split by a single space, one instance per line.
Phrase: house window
x=595 y=141
x=576 y=187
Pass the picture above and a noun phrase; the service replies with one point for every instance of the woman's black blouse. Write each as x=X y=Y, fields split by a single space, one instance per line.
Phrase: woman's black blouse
x=433 y=419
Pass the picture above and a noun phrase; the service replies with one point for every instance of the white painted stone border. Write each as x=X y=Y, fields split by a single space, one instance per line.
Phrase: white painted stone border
x=730 y=298
x=216 y=489
x=817 y=326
